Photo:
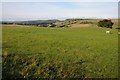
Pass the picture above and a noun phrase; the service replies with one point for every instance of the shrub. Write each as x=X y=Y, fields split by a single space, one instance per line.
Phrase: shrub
x=105 y=23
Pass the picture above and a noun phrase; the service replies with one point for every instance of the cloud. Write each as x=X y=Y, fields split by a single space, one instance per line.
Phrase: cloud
x=51 y=10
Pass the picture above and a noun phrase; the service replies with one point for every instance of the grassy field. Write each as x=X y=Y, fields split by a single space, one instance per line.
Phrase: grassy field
x=36 y=52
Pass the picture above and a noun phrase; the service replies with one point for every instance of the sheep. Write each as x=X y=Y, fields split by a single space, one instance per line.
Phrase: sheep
x=107 y=32
x=118 y=32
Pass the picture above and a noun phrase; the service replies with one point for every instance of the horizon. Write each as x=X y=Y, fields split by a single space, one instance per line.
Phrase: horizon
x=18 y=11
x=58 y=19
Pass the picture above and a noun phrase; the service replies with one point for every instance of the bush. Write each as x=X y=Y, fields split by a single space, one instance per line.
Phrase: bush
x=105 y=23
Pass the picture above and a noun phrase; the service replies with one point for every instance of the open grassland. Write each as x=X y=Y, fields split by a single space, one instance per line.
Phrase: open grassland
x=36 y=52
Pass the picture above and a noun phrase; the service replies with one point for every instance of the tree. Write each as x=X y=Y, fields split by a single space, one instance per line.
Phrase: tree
x=105 y=23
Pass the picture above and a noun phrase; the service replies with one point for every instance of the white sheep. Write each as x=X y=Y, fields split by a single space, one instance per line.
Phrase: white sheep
x=107 y=32
x=118 y=32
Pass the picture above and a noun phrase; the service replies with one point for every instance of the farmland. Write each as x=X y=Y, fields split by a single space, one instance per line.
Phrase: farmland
x=38 y=52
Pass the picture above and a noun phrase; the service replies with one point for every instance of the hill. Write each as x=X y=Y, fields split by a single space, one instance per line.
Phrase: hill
x=32 y=22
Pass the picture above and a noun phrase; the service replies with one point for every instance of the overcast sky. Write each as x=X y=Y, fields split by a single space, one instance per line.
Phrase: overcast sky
x=15 y=11
x=59 y=0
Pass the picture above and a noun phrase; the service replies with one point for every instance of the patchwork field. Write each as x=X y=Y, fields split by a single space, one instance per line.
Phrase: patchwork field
x=81 y=52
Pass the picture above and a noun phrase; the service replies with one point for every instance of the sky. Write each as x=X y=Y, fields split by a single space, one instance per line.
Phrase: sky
x=19 y=11
x=59 y=0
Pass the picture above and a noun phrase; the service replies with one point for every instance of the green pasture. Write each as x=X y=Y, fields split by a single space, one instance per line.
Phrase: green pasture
x=36 y=52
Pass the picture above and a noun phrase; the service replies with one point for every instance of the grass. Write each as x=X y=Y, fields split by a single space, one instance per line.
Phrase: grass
x=34 y=52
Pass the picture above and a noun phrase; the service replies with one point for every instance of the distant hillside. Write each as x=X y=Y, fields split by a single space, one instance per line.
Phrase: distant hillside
x=37 y=22
x=33 y=22
x=71 y=22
